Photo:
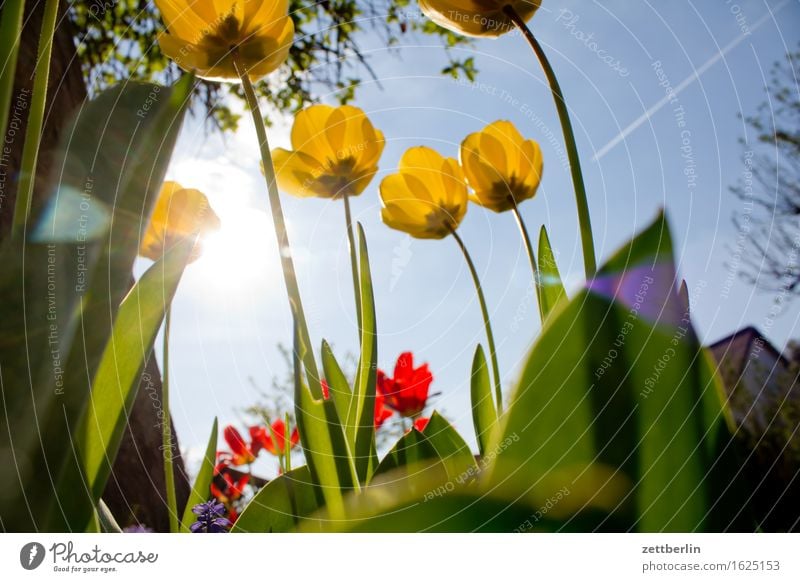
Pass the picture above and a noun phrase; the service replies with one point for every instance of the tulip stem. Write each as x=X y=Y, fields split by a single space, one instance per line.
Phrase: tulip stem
x=486 y=322
x=537 y=281
x=284 y=249
x=166 y=431
x=351 y=242
x=589 y=260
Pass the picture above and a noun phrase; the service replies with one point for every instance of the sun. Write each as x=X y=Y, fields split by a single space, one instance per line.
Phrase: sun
x=238 y=255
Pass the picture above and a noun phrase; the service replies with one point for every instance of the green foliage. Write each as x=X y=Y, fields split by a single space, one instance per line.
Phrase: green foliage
x=281 y=505
x=616 y=424
x=552 y=289
x=62 y=290
x=118 y=376
x=327 y=452
x=117 y=42
x=364 y=385
x=202 y=483
x=484 y=411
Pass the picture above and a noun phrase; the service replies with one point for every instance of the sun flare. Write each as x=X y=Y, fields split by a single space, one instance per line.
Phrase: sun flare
x=236 y=256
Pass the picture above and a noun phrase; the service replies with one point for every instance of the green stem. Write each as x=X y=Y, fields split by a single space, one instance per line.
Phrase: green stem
x=486 y=322
x=351 y=242
x=289 y=274
x=589 y=259
x=166 y=432
x=33 y=132
x=537 y=281
x=287 y=445
x=10 y=32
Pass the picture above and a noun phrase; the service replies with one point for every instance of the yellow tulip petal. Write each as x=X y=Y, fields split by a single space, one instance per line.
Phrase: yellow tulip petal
x=344 y=132
x=417 y=184
x=477 y=17
x=362 y=180
x=308 y=132
x=453 y=184
x=181 y=20
x=420 y=157
x=214 y=27
x=296 y=172
x=374 y=142
x=493 y=153
x=262 y=55
x=511 y=141
x=479 y=174
x=533 y=162
x=178 y=213
x=262 y=16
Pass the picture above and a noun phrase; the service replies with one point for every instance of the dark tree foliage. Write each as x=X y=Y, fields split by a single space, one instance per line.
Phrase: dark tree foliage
x=768 y=253
x=117 y=41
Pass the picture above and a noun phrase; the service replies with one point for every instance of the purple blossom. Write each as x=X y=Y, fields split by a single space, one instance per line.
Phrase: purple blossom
x=210 y=518
x=138 y=528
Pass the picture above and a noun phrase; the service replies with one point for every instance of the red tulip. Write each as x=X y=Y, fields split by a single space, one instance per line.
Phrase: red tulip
x=232 y=489
x=421 y=423
x=326 y=391
x=407 y=392
x=262 y=438
x=381 y=412
x=240 y=453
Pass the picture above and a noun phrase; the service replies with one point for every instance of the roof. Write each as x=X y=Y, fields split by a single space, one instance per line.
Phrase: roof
x=738 y=346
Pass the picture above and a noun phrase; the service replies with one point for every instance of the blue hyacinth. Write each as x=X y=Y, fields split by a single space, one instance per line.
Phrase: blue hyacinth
x=210 y=518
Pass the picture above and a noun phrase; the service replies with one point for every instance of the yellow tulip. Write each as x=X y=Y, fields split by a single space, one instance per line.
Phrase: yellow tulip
x=335 y=152
x=203 y=36
x=502 y=167
x=427 y=197
x=477 y=17
x=179 y=213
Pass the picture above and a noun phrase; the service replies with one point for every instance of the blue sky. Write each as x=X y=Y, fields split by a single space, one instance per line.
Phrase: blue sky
x=231 y=310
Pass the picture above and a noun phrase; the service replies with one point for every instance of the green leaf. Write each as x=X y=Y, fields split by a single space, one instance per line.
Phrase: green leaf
x=366 y=456
x=439 y=444
x=451 y=448
x=118 y=377
x=201 y=490
x=552 y=290
x=281 y=505
x=340 y=393
x=411 y=450
x=62 y=289
x=484 y=413
x=10 y=32
x=329 y=457
x=616 y=403
x=106 y=520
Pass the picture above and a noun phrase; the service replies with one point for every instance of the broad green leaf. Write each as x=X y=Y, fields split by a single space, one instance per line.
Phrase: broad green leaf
x=366 y=456
x=413 y=449
x=551 y=290
x=617 y=391
x=439 y=444
x=201 y=490
x=484 y=412
x=451 y=448
x=118 y=377
x=280 y=505
x=62 y=289
x=420 y=497
x=329 y=457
